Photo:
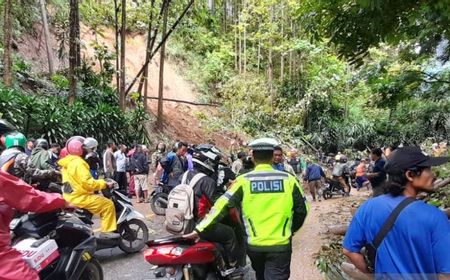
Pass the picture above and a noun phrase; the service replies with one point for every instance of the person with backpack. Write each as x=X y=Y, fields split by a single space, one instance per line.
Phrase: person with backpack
x=273 y=209
x=404 y=238
x=140 y=173
x=192 y=199
x=174 y=164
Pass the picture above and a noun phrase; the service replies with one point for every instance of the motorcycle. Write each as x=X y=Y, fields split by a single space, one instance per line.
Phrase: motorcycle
x=334 y=187
x=132 y=229
x=58 y=245
x=176 y=258
x=158 y=200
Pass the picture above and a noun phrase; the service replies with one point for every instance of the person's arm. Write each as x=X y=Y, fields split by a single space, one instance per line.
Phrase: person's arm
x=440 y=238
x=322 y=173
x=358 y=260
x=21 y=196
x=308 y=169
x=300 y=207
x=355 y=240
x=228 y=200
x=87 y=181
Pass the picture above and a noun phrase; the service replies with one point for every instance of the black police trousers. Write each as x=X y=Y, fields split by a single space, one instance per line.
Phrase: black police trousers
x=225 y=236
x=271 y=266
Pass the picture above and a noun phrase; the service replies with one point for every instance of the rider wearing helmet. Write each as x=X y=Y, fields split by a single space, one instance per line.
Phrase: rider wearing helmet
x=16 y=195
x=92 y=157
x=40 y=156
x=206 y=159
x=80 y=186
x=16 y=162
x=339 y=170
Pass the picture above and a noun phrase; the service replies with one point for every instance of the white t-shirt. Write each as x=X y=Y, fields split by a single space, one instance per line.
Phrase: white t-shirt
x=121 y=161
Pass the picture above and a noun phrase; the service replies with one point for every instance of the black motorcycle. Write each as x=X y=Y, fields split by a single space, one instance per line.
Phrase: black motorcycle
x=333 y=187
x=72 y=245
x=158 y=201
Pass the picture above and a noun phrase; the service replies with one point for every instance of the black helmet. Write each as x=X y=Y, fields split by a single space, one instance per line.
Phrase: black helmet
x=343 y=159
x=42 y=143
x=6 y=127
x=207 y=156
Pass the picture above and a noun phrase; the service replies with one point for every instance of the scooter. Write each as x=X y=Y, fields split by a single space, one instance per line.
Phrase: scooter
x=132 y=229
x=176 y=258
x=58 y=245
x=159 y=197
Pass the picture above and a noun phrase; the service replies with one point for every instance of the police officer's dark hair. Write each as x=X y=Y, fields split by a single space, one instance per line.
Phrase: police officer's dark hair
x=397 y=182
x=278 y=148
x=377 y=151
x=241 y=155
x=263 y=156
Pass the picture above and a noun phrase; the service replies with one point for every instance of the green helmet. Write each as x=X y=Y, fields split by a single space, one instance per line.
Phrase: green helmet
x=15 y=139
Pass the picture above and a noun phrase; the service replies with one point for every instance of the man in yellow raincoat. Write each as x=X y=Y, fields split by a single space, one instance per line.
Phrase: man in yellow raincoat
x=76 y=174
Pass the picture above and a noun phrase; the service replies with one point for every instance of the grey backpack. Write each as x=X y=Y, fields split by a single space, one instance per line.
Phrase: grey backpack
x=180 y=206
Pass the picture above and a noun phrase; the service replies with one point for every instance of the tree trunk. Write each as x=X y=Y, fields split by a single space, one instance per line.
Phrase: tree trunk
x=122 y=56
x=7 y=55
x=116 y=29
x=74 y=41
x=47 y=37
x=224 y=17
x=161 y=70
x=282 y=52
x=212 y=6
x=270 y=61
x=245 y=7
x=290 y=53
x=143 y=82
x=240 y=44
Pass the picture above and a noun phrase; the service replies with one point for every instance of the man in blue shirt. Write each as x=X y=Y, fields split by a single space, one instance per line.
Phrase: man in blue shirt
x=418 y=244
x=378 y=176
x=313 y=175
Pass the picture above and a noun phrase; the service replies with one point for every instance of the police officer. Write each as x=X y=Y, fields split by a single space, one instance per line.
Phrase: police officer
x=273 y=209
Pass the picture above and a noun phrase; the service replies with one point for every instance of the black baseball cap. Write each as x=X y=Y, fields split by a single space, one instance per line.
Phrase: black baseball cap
x=411 y=157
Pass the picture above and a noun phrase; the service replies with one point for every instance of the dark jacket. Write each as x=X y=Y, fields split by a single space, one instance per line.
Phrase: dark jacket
x=204 y=192
x=141 y=163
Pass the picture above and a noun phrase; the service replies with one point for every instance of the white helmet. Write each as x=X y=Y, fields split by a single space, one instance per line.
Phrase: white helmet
x=90 y=143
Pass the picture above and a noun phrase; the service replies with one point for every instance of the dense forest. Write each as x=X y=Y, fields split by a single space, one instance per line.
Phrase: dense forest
x=333 y=74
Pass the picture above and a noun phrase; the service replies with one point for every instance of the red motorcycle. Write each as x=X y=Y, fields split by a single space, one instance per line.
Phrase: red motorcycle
x=177 y=258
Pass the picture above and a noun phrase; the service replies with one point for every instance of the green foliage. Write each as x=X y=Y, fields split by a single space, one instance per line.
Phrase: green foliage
x=60 y=82
x=95 y=113
x=356 y=26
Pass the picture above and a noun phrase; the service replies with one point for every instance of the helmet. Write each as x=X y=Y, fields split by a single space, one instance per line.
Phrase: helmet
x=74 y=145
x=90 y=143
x=207 y=156
x=63 y=153
x=15 y=139
x=6 y=127
x=42 y=143
x=343 y=159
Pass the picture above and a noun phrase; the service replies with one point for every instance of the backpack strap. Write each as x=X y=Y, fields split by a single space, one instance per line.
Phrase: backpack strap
x=195 y=179
x=184 y=178
x=387 y=226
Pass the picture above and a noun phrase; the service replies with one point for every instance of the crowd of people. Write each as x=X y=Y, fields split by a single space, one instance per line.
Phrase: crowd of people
x=259 y=181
